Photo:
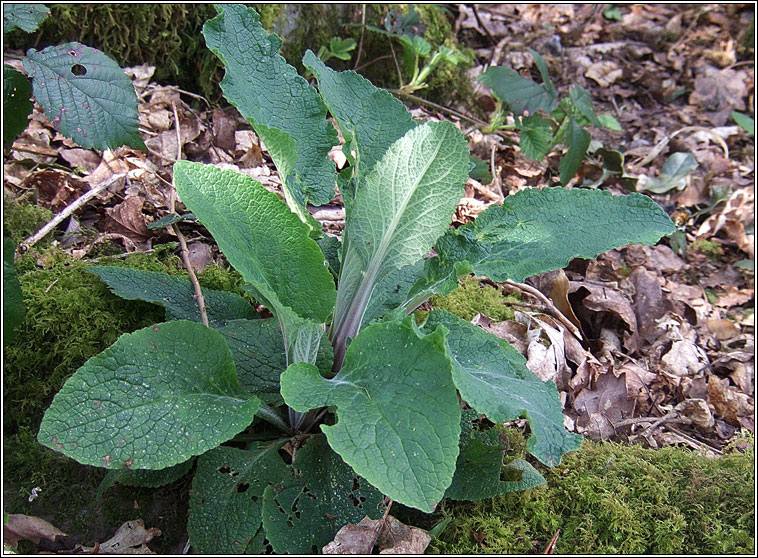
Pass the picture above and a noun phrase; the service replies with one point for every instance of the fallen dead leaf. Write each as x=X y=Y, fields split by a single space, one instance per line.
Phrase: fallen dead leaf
x=604 y=297
x=605 y=73
x=128 y=220
x=697 y=411
x=224 y=128
x=601 y=407
x=722 y=329
x=20 y=527
x=130 y=538
x=718 y=92
x=729 y=403
x=394 y=538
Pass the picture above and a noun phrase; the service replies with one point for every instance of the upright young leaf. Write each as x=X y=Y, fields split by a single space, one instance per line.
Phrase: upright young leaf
x=538 y=230
x=260 y=237
x=582 y=100
x=303 y=513
x=403 y=206
x=285 y=111
x=492 y=377
x=370 y=119
x=175 y=294
x=85 y=95
x=578 y=140
x=153 y=399
x=226 y=497
x=398 y=419
x=519 y=93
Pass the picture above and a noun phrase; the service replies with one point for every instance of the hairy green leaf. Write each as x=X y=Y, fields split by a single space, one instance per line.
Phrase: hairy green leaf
x=578 y=140
x=398 y=419
x=302 y=514
x=153 y=399
x=519 y=93
x=85 y=95
x=147 y=478
x=583 y=102
x=536 y=136
x=170 y=219
x=539 y=230
x=259 y=355
x=674 y=173
x=226 y=498
x=17 y=104
x=370 y=119
x=175 y=294
x=479 y=467
x=260 y=237
x=285 y=111
x=404 y=205
x=27 y=17
x=492 y=378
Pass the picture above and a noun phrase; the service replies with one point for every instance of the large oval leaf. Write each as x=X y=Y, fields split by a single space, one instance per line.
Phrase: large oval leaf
x=17 y=104
x=397 y=409
x=85 y=95
x=153 y=399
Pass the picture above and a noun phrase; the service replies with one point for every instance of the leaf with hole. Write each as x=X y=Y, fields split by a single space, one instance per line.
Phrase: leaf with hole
x=86 y=96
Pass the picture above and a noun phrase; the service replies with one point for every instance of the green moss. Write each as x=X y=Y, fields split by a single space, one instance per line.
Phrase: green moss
x=471 y=298
x=614 y=499
x=21 y=220
x=708 y=248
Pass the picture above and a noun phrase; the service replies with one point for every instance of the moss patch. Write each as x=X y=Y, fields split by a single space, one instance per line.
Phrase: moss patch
x=21 y=220
x=614 y=499
x=471 y=298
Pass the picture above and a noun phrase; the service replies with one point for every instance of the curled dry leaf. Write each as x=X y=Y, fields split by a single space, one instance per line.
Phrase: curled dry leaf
x=697 y=411
x=127 y=219
x=599 y=408
x=738 y=212
x=605 y=73
x=604 y=297
x=130 y=538
x=718 y=92
x=728 y=403
x=394 y=537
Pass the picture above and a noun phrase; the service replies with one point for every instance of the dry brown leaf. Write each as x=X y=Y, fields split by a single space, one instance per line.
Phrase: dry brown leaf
x=722 y=329
x=394 y=538
x=638 y=381
x=160 y=120
x=729 y=403
x=128 y=220
x=718 y=92
x=697 y=411
x=81 y=158
x=513 y=332
x=55 y=188
x=398 y=538
x=605 y=73
x=603 y=297
x=601 y=407
x=20 y=527
x=130 y=538
x=224 y=128
x=648 y=303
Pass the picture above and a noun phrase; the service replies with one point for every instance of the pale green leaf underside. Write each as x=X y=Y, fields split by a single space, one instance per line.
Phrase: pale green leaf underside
x=303 y=514
x=402 y=207
x=226 y=498
x=370 y=119
x=398 y=419
x=175 y=294
x=535 y=231
x=97 y=108
x=153 y=399
x=286 y=112
x=492 y=377
x=260 y=237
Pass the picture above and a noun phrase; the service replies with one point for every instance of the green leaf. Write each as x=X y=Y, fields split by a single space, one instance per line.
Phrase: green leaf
x=544 y=74
x=331 y=247
x=608 y=121
x=302 y=514
x=398 y=418
x=479 y=468
x=744 y=122
x=519 y=93
x=404 y=205
x=613 y=12
x=175 y=294
x=13 y=301
x=153 y=399
x=17 y=104
x=578 y=140
x=170 y=219
x=284 y=110
x=258 y=350
x=340 y=48
x=393 y=291
x=536 y=136
x=226 y=498
x=582 y=101
x=85 y=95
x=492 y=378
x=27 y=17
x=480 y=171
x=146 y=477
x=539 y=230
x=370 y=119
x=260 y=237
x=674 y=173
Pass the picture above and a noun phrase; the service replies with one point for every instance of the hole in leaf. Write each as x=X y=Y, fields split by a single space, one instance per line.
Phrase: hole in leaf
x=78 y=70
x=362 y=498
x=242 y=487
x=254 y=498
x=314 y=549
x=225 y=469
x=354 y=500
x=356 y=484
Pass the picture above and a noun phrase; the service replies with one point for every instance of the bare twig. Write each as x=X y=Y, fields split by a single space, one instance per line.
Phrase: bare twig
x=380 y=526
x=377 y=59
x=397 y=66
x=548 y=303
x=36 y=149
x=199 y=298
x=481 y=24
x=360 y=41
x=55 y=221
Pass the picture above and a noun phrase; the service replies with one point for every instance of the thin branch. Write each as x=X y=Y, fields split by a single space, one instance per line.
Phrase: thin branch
x=397 y=66
x=377 y=59
x=481 y=24
x=199 y=298
x=360 y=41
x=548 y=303
x=36 y=237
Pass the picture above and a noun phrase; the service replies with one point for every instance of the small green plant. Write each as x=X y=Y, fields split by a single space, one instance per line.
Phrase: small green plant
x=347 y=359
x=338 y=48
x=84 y=93
x=407 y=29
x=549 y=121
